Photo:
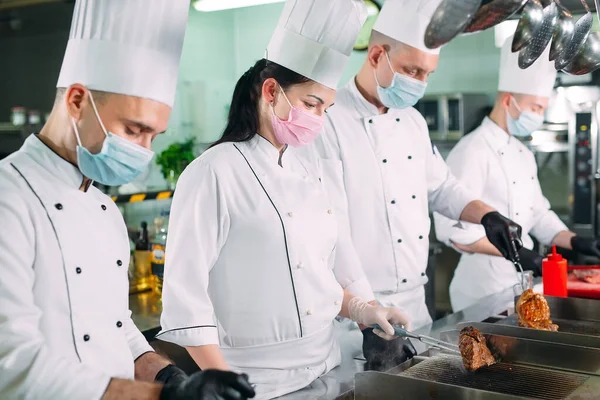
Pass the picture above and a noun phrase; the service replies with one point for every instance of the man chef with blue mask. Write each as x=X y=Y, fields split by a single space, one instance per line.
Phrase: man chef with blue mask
x=63 y=335
x=391 y=172
x=496 y=166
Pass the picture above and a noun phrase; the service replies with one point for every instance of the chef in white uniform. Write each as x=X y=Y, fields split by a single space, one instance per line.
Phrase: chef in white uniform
x=392 y=172
x=258 y=265
x=65 y=328
x=497 y=167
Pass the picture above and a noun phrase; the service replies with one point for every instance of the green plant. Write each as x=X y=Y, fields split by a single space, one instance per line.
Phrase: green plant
x=176 y=157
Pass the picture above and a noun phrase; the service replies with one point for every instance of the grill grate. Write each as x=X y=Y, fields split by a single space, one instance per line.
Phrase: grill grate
x=500 y=378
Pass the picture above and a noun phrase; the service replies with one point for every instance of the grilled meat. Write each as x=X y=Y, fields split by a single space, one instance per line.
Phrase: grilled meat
x=534 y=312
x=474 y=350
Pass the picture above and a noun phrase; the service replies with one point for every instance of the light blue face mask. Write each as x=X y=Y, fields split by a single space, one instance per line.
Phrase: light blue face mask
x=404 y=91
x=120 y=161
x=527 y=123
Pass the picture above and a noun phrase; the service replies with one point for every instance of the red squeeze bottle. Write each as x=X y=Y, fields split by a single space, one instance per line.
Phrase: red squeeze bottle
x=554 y=274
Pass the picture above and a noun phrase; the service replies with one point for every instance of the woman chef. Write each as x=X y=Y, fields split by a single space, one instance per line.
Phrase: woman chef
x=250 y=282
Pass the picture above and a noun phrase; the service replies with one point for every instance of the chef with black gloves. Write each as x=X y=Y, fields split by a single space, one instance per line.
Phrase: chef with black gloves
x=63 y=242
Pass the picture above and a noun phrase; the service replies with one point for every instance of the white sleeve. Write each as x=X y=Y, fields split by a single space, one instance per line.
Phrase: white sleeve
x=198 y=228
x=136 y=340
x=29 y=369
x=470 y=169
x=547 y=224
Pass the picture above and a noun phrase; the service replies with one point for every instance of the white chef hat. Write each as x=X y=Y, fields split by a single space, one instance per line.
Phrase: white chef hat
x=537 y=80
x=128 y=47
x=406 y=21
x=315 y=38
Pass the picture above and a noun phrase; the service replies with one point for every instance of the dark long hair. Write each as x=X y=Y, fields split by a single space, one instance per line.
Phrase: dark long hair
x=243 y=119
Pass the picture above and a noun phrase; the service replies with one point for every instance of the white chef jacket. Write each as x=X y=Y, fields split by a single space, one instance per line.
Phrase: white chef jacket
x=502 y=172
x=392 y=175
x=65 y=327
x=251 y=266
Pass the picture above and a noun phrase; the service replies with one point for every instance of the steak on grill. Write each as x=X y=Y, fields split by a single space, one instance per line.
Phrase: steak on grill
x=474 y=350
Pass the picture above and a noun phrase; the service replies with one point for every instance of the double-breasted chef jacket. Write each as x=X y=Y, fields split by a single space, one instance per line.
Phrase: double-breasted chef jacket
x=256 y=262
x=65 y=326
x=392 y=175
x=502 y=171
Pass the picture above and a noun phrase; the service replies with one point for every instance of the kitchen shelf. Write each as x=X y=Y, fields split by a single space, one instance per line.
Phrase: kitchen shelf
x=7 y=127
x=139 y=197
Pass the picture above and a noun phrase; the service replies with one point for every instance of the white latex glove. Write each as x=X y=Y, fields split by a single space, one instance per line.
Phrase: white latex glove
x=369 y=315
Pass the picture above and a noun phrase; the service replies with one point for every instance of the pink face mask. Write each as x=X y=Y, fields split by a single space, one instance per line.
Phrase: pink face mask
x=300 y=129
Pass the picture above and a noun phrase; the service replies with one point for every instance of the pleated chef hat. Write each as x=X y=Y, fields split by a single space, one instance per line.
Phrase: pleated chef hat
x=406 y=21
x=128 y=47
x=537 y=80
x=315 y=38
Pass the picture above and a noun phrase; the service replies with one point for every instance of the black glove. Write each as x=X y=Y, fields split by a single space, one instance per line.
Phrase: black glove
x=171 y=375
x=586 y=246
x=381 y=354
x=209 y=385
x=502 y=233
x=530 y=261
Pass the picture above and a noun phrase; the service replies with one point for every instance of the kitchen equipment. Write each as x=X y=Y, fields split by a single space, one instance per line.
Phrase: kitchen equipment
x=493 y=13
x=532 y=19
x=537 y=353
x=444 y=377
x=588 y=57
x=451 y=116
x=572 y=315
x=580 y=34
x=500 y=328
x=554 y=275
x=449 y=19
x=540 y=41
x=140 y=276
x=400 y=331
x=581 y=105
x=563 y=34
x=18 y=116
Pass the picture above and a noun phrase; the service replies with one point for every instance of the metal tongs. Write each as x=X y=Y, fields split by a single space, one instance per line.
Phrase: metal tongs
x=516 y=260
x=428 y=340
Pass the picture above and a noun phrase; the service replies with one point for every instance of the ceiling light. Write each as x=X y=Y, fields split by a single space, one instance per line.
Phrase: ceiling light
x=216 y=5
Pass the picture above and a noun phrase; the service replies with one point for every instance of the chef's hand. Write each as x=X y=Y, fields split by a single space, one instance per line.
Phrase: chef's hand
x=369 y=315
x=530 y=261
x=502 y=232
x=209 y=385
x=586 y=246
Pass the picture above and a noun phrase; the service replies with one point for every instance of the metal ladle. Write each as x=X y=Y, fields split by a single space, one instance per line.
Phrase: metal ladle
x=449 y=19
x=563 y=34
x=580 y=35
x=529 y=25
x=538 y=44
x=588 y=57
x=493 y=13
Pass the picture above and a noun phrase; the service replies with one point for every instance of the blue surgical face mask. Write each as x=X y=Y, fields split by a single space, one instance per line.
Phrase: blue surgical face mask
x=120 y=161
x=527 y=123
x=404 y=91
